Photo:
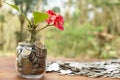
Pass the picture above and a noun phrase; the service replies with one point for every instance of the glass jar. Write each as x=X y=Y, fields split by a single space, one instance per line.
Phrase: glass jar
x=31 y=60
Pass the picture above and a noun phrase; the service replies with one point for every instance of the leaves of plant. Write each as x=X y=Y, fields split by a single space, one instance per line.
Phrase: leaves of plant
x=13 y=6
x=39 y=17
x=16 y=8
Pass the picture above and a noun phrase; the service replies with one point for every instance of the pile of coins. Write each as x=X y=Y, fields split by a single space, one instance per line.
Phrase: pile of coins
x=31 y=58
x=109 y=68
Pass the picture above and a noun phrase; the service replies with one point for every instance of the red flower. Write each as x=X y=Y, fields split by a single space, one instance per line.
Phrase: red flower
x=56 y=20
x=50 y=12
x=52 y=16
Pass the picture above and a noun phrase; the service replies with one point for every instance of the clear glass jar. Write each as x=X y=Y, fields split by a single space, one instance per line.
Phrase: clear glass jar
x=31 y=60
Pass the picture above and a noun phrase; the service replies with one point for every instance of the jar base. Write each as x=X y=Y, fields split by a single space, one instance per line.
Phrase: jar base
x=31 y=76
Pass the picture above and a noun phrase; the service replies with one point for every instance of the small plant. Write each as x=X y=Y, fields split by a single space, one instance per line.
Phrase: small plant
x=31 y=56
x=50 y=17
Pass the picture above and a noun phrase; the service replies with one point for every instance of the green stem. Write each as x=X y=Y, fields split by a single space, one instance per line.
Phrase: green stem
x=33 y=37
x=33 y=33
x=44 y=27
x=26 y=19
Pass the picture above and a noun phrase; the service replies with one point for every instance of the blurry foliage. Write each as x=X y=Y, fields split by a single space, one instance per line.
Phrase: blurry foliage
x=26 y=6
x=74 y=40
x=2 y=41
x=56 y=9
x=2 y=18
x=98 y=37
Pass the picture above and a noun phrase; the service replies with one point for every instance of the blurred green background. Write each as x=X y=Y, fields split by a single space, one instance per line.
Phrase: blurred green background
x=92 y=28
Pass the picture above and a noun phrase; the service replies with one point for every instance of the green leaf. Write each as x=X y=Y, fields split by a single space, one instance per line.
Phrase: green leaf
x=39 y=17
x=16 y=8
x=13 y=6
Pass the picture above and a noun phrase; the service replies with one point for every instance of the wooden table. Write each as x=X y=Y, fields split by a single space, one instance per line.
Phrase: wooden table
x=7 y=72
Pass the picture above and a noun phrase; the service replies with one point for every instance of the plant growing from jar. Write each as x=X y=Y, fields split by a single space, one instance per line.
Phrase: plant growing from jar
x=31 y=55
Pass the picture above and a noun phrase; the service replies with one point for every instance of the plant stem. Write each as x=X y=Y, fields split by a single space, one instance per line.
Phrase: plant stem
x=44 y=27
x=33 y=33
x=33 y=37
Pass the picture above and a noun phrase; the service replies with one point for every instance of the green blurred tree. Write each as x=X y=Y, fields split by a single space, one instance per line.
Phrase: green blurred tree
x=2 y=41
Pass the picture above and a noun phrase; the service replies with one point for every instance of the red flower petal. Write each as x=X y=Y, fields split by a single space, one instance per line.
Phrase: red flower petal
x=52 y=16
x=60 y=27
x=50 y=12
x=58 y=22
x=49 y=20
x=59 y=18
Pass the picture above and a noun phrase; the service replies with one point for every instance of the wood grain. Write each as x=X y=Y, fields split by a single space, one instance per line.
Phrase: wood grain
x=7 y=72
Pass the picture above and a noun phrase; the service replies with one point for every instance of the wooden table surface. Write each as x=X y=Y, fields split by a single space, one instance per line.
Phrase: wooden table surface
x=7 y=72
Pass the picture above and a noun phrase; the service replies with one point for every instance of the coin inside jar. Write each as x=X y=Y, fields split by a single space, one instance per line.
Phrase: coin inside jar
x=26 y=52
